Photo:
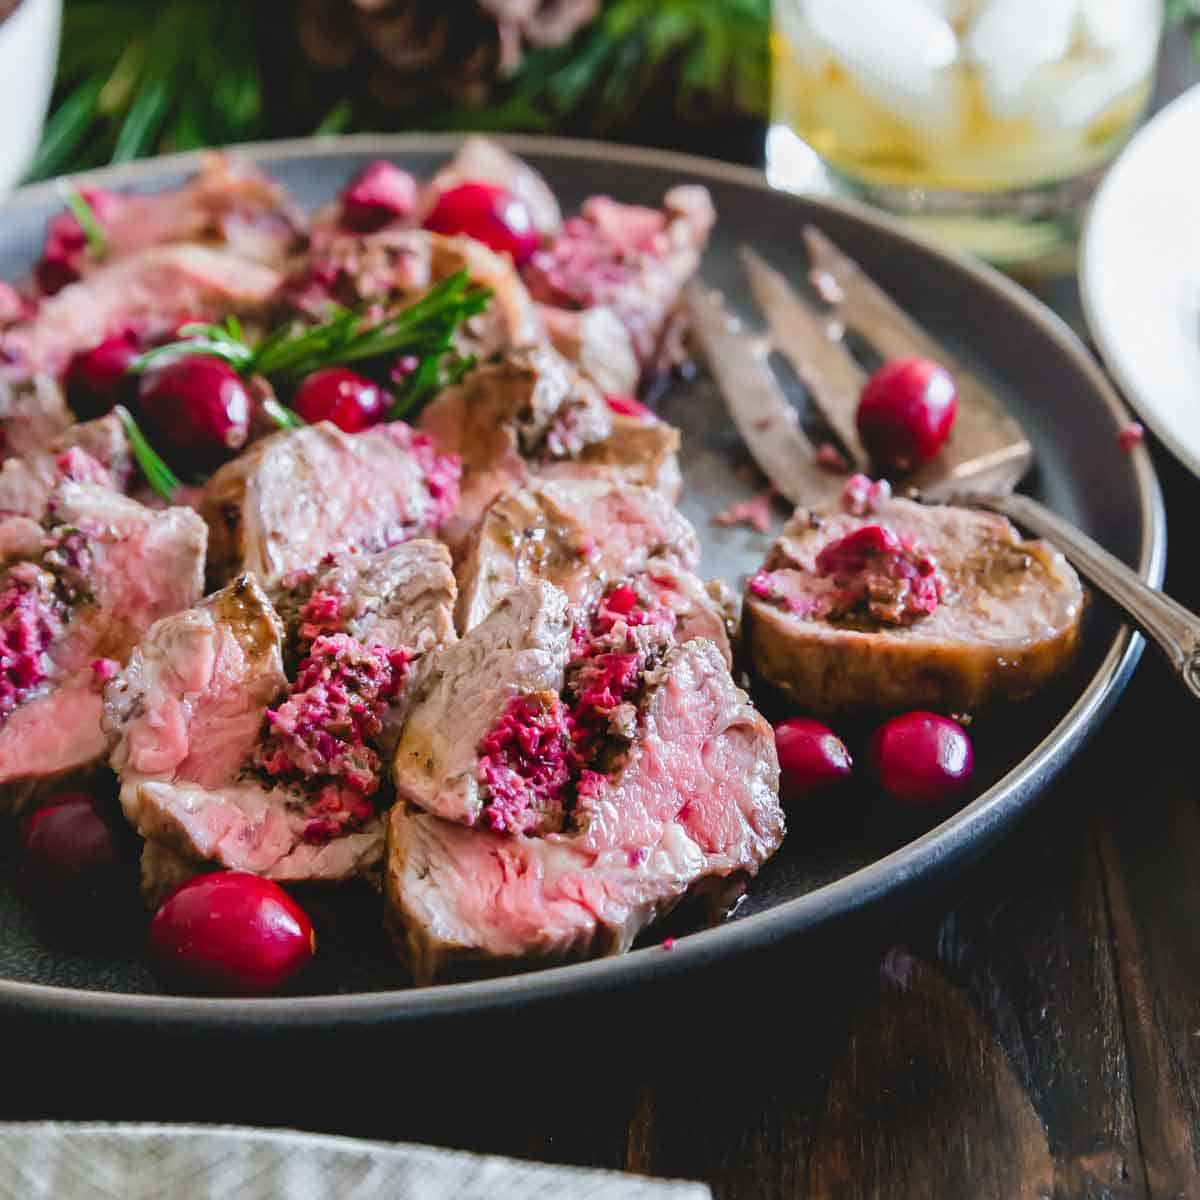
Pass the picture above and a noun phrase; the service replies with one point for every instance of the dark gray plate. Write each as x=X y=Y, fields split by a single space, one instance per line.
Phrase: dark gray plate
x=826 y=870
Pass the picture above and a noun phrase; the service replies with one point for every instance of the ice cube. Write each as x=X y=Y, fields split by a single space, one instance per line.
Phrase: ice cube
x=806 y=50
x=955 y=11
x=1113 y=24
x=1011 y=40
x=1070 y=95
x=900 y=53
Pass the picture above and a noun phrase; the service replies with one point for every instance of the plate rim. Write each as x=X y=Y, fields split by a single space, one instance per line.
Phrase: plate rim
x=963 y=834
x=1089 y=271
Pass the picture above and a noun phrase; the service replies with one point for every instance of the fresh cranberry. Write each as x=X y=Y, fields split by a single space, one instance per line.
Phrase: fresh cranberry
x=336 y=394
x=906 y=411
x=489 y=214
x=627 y=406
x=811 y=757
x=95 y=377
x=379 y=194
x=230 y=933
x=70 y=855
x=195 y=411
x=922 y=758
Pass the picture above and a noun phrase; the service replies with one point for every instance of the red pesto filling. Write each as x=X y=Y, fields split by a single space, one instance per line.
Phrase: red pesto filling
x=892 y=579
x=321 y=613
x=319 y=735
x=31 y=617
x=539 y=759
x=442 y=472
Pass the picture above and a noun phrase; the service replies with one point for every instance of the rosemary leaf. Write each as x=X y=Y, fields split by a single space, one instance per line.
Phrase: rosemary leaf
x=81 y=210
x=158 y=475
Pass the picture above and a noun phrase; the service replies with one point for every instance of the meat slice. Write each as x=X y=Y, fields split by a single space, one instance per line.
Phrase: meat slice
x=598 y=343
x=694 y=803
x=575 y=533
x=90 y=452
x=151 y=288
x=533 y=413
x=33 y=409
x=107 y=571
x=228 y=203
x=520 y=648
x=641 y=450
x=191 y=715
x=302 y=495
x=631 y=260
x=909 y=606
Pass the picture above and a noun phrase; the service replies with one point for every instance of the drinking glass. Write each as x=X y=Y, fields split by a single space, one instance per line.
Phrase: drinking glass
x=987 y=122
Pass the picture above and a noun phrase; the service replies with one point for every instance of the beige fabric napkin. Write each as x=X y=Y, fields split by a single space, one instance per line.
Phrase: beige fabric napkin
x=51 y=1161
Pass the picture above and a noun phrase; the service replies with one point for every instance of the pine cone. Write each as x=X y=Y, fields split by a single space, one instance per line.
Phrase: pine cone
x=414 y=54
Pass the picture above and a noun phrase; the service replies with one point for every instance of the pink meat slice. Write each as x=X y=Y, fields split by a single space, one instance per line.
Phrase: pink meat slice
x=696 y=805
x=150 y=286
x=189 y=711
x=574 y=533
x=146 y=564
x=304 y=495
x=90 y=452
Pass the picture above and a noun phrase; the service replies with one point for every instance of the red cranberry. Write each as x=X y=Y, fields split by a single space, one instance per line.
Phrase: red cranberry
x=906 y=411
x=379 y=194
x=231 y=933
x=489 y=214
x=627 y=406
x=95 y=377
x=195 y=411
x=811 y=756
x=336 y=394
x=922 y=758
x=70 y=855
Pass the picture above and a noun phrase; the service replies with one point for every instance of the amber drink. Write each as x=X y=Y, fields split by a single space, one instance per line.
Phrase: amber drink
x=986 y=121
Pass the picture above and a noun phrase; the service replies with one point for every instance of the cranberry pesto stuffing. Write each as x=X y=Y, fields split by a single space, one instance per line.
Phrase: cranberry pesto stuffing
x=319 y=736
x=31 y=618
x=547 y=754
x=442 y=472
x=892 y=578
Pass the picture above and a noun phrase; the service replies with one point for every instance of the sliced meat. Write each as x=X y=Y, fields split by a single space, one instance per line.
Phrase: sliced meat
x=228 y=203
x=836 y=631
x=695 y=801
x=107 y=572
x=521 y=647
x=191 y=712
x=508 y=418
x=597 y=341
x=33 y=410
x=90 y=452
x=302 y=495
x=574 y=533
x=631 y=260
x=639 y=450
x=152 y=288
x=480 y=160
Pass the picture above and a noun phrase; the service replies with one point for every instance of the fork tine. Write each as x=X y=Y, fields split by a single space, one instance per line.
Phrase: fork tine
x=988 y=448
x=798 y=332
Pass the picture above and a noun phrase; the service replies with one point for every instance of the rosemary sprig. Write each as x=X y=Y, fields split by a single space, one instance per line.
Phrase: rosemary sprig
x=97 y=240
x=424 y=329
x=158 y=475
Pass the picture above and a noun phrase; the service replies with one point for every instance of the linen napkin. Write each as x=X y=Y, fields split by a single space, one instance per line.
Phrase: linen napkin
x=58 y=1161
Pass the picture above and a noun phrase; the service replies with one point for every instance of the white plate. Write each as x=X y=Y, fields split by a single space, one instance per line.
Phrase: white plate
x=1140 y=274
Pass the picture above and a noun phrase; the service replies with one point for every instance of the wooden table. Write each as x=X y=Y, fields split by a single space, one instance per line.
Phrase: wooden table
x=1033 y=1032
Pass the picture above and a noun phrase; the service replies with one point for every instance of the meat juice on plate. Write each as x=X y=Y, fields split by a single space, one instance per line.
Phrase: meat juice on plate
x=968 y=97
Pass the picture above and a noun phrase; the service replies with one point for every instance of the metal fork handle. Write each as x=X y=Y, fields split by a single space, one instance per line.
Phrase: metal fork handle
x=1173 y=628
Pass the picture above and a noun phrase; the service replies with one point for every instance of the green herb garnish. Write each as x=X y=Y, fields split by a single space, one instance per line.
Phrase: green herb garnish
x=423 y=330
x=81 y=210
x=158 y=475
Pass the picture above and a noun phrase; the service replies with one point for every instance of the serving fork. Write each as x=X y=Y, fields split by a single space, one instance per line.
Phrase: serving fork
x=980 y=466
